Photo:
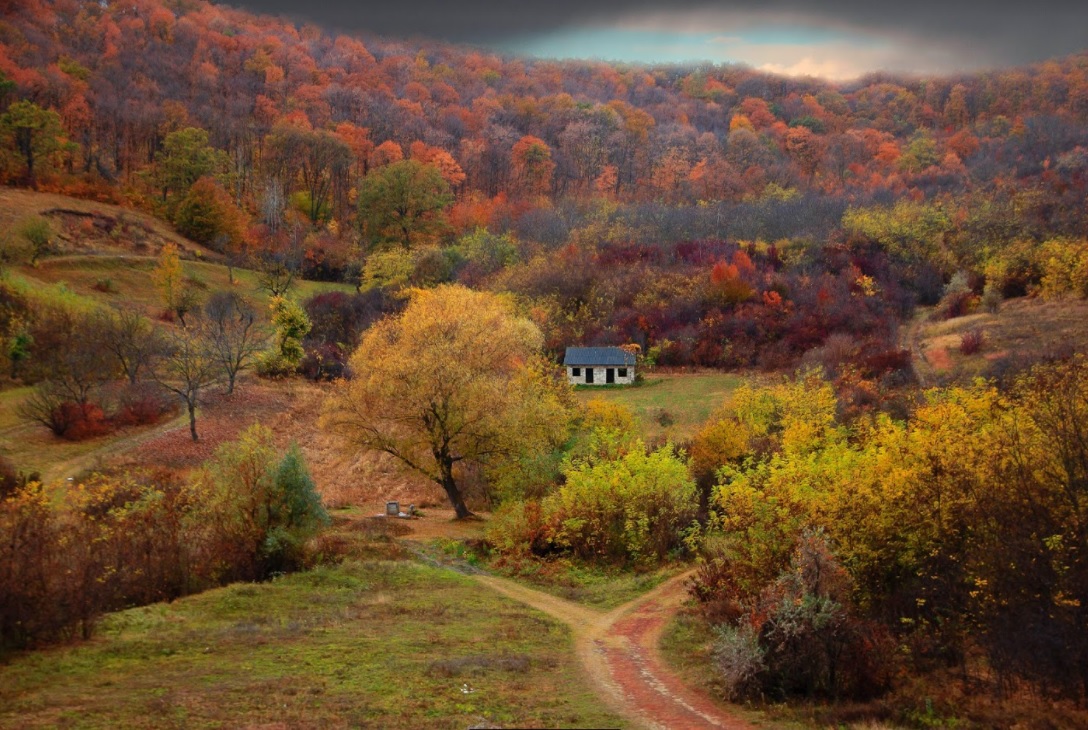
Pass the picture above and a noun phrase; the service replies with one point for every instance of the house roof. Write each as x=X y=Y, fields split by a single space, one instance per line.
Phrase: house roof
x=598 y=356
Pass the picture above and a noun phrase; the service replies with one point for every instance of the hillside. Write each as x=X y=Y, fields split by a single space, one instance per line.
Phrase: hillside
x=1023 y=330
x=102 y=255
x=85 y=227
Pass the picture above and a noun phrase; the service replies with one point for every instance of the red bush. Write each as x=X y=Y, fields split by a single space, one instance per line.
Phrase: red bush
x=82 y=421
x=143 y=406
x=885 y=361
x=971 y=342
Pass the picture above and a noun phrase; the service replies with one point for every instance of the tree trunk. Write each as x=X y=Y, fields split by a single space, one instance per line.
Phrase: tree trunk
x=453 y=492
x=192 y=419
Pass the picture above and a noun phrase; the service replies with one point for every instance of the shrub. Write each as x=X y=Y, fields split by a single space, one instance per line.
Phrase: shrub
x=882 y=362
x=339 y=319
x=108 y=543
x=799 y=637
x=207 y=214
x=82 y=421
x=295 y=513
x=837 y=350
x=955 y=304
x=254 y=511
x=1065 y=268
x=37 y=231
x=143 y=405
x=324 y=362
x=101 y=546
x=634 y=507
x=33 y=608
x=972 y=341
x=518 y=528
x=66 y=418
x=10 y=479
x=738 y=659
x=292 y=325
x=105 y=285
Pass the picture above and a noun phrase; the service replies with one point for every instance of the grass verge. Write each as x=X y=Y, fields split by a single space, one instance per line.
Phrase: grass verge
x=378 y=643
x=603 y=588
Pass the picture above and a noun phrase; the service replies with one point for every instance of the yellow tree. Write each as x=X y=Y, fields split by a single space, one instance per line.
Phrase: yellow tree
x=169 y=279
x=456 y=379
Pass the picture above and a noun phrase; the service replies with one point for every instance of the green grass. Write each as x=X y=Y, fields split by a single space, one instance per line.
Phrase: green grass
x=33 y=448
x=9 y=407
x=589 y=585
x=390 y=644
x=685 y=399
x=686 y=646
x=130 y=281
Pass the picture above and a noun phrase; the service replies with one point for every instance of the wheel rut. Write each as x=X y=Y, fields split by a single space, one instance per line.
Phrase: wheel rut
x=619 y=652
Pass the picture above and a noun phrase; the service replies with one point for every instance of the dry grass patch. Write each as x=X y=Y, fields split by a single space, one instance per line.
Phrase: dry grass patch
x=87 y=226
x=1023 y=330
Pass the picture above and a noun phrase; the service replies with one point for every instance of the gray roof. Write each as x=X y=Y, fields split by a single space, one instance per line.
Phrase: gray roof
x=598 y=356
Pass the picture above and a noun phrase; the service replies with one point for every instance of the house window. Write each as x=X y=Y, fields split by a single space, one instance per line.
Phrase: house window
x=623 y=372
x=576 y=372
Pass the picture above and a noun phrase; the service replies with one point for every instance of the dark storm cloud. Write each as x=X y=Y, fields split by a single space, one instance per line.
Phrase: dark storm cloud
x=1006 y=31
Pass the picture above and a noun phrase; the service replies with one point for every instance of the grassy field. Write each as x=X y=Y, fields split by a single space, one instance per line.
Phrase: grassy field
x=9 y=407
x=1023 y=328
x=671 y=406
x=33 y=448
x=592 y=586
x=379 y=643
x=126 y=279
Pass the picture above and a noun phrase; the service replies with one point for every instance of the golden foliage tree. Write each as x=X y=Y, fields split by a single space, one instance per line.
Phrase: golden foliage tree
x=456 y=379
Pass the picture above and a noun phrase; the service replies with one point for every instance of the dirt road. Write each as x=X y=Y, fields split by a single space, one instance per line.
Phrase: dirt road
x=619 y=652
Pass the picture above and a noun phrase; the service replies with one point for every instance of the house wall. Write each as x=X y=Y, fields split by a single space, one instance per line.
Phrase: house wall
x=599 y=375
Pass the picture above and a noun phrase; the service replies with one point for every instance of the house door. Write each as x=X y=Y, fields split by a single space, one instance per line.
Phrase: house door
x=610 y=375
x=589 y=376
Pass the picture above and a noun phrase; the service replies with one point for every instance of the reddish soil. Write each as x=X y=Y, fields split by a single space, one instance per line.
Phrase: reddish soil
x=646 y=682
x=619 y=653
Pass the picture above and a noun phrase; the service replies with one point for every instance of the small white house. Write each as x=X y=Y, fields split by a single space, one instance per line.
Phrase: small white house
x=599 y=366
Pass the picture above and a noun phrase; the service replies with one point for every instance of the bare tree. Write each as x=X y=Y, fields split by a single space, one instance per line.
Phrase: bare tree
x=131 y=339
x=46 y=405
x=187 y=366
x=275 y=277
x=74 y=366
x=272 y=204
x=234 y=333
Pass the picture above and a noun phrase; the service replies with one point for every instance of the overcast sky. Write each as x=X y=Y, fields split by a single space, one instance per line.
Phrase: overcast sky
x=833 y=38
